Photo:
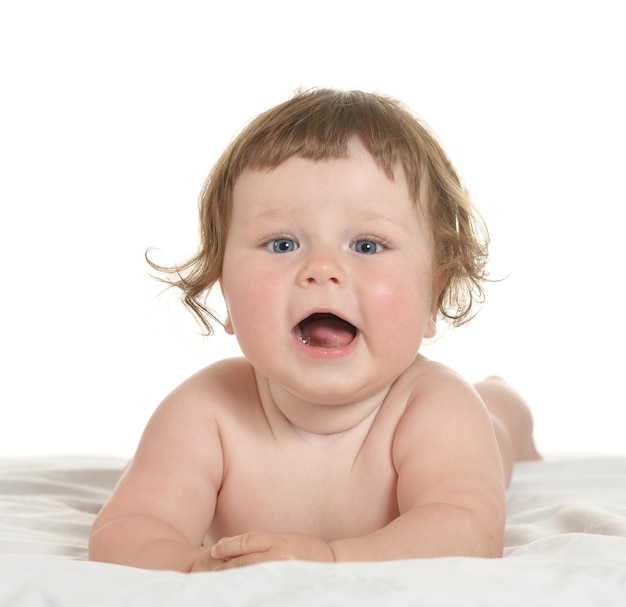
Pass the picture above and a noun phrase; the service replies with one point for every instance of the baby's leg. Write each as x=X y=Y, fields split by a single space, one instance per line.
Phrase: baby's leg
x=512 y=422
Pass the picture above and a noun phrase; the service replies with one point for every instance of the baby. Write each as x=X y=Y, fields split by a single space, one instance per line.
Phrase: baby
x=339 y=233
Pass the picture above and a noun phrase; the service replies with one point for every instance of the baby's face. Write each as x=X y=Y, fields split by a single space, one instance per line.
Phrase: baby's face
x=328 y=275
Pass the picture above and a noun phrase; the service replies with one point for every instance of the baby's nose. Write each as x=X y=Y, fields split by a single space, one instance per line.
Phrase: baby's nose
x=322 y=267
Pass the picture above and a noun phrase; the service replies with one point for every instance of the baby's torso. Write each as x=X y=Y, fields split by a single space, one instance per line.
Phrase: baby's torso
x=330 y=487
x=310 y=489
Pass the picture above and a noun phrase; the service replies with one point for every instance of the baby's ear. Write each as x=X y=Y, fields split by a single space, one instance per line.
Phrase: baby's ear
x=227 y=324
x=440 y=281
x=431 y=326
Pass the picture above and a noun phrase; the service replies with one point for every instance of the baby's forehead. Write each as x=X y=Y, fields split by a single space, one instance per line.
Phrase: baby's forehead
x=357 y=176
x=354 y=183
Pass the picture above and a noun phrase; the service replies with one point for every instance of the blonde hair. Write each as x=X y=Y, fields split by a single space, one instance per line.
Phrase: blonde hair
x=318 y=124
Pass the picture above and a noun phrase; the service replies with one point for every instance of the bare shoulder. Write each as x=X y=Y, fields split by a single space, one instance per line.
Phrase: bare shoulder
x=226 y=379
x=437 y=397
x=197 y=401
x=445 y=436
x=187 y=420
x=179 y=459
x=429 y=386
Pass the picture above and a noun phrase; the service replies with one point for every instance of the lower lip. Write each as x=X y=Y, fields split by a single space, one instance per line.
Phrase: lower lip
x=326 y=353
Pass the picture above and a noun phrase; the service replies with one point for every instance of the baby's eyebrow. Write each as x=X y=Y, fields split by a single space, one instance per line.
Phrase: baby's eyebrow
x=377 y=217
x=267 y=215
x=286 y=212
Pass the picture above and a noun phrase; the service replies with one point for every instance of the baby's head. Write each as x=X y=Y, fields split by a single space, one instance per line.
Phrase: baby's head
x=318 y=125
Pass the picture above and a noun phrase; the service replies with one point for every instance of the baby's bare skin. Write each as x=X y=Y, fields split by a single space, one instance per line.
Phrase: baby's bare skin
x=230 y=464
x=332 y=440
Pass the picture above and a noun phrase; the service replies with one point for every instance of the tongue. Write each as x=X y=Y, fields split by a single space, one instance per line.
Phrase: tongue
x=327 y=333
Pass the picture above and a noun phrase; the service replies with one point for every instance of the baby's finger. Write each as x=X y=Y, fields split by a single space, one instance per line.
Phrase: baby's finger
x=247 y=543
x=242 y=561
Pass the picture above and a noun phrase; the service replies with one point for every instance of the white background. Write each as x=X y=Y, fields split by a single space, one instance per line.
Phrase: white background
x=113 y=112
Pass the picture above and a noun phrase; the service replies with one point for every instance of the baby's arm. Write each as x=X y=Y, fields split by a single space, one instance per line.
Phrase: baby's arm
x=164 y=503
x=450 y=488
x=451 y=491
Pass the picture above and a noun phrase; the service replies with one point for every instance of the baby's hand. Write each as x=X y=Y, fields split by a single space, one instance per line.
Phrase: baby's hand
x=259 y=547
x=205 y=562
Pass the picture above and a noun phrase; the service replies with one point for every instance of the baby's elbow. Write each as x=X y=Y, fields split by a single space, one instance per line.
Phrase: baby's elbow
x=489 y=541
x=98 y=548
x=491 y=548
x=478 y=534
x=107 y=540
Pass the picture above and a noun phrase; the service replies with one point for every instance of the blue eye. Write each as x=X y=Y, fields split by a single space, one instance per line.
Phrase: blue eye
x=367 y=247
x=282 y=245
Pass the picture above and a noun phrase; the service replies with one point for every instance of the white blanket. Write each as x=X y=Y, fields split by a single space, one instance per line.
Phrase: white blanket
x=565 y=545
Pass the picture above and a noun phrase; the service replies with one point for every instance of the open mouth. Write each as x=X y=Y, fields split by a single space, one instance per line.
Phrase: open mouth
x=322 y=330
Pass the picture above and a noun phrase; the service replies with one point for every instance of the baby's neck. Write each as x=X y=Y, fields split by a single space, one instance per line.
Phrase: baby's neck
x=315 y=438
x=317 y=423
